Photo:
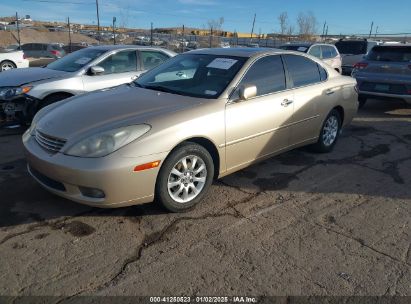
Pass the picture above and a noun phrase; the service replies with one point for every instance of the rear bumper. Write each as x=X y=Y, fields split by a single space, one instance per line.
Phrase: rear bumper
x=23 y=64
x=406 y=98
x=67 y=176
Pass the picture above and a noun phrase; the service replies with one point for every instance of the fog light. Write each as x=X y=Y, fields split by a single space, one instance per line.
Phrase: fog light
x=92 y=192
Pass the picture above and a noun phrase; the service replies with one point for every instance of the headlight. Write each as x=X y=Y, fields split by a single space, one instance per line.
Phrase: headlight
x=12 y=92
x=107 y=142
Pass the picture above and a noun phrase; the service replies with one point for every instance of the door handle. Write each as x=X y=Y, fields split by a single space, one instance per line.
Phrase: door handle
x=134 y=77
x=329 y=92
x=286 y=102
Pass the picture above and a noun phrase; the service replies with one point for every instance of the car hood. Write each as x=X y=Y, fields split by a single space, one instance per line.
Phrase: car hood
x=108 y=109
x=17 y=77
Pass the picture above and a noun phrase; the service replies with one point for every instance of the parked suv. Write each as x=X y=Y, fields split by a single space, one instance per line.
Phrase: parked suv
x=43 y=50
x=352 y=51
x=385 y=72
x=327 y=52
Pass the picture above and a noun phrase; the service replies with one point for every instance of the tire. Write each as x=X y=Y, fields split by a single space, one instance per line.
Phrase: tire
x=52 y=99
x=7 y=65
x=179 y=195
x=330 y=131
x=361 y=101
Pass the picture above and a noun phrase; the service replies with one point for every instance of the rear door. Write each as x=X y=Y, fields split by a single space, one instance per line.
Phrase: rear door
x=119 y=68
x=258 y=127
x=150 y=59
x=308 y=89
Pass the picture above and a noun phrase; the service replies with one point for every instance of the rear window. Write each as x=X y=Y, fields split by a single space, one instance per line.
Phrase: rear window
x=352 y=47
x=396 y=54
x=303 y=71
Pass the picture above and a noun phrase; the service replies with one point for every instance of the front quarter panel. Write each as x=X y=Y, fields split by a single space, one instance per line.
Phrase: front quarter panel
x=72 y=85
x=206 y=120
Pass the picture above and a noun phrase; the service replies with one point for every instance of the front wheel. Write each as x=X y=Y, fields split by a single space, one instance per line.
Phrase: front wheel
x=329 y=133
x=184 y=178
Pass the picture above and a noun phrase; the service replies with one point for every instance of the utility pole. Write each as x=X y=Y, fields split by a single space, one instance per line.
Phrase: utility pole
x=114 y=31
x=151 y=34
x=98 y=22
x=252 y=29
x=69 y=30
x=211 y=37
x=18 y=30
x=182 y=41
x=326 y=33
x=322 y=35
x=372 y=26
x=376 y=32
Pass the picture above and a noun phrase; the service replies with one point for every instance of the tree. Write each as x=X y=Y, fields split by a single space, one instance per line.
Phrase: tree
x=283 y=20
x=216 y=25
x=307 y=25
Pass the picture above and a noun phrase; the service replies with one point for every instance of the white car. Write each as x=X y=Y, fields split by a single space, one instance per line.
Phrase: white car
x=12 y=60
x=326 y=52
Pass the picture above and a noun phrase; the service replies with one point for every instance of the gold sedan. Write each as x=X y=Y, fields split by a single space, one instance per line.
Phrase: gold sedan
x=199 y=116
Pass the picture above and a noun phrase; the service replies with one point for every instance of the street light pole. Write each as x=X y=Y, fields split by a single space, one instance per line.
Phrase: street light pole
x=18 y=30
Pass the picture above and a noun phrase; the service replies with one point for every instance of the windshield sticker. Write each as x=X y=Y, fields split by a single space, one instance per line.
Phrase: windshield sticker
x=208 y=92
x=222 y=63
x=302 y=49
x=82 y=60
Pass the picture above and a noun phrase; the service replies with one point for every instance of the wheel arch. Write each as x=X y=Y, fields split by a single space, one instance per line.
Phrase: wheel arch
x=8 y=60
x=209 y=146
x=340 y=111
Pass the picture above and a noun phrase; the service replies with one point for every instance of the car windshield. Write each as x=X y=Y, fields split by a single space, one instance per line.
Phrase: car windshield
x=75 y=61
x=298 y=48
x=196 y=75
x=393 y=53
x=352 y=47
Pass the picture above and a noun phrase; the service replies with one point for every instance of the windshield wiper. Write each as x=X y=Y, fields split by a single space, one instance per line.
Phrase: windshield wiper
x=162 y=89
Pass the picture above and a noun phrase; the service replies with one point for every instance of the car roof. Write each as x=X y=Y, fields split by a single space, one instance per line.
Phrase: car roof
x=305 y=44
x=125 y=47
x=238 y=51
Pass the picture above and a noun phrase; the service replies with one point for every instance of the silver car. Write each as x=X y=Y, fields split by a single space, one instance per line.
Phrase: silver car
x=24 y=92
x=385 y=73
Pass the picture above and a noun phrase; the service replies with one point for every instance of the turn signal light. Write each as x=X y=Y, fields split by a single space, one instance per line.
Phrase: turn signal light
x=147 y=166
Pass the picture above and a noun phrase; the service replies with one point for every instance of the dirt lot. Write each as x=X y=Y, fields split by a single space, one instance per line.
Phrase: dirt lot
x=31 y=35
x=298 y=224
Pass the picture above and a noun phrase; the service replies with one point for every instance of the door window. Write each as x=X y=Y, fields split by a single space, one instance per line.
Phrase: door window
x=303 y=71
x=315 y=51
x=267 y=74
x=151 y=59
x=121 y=62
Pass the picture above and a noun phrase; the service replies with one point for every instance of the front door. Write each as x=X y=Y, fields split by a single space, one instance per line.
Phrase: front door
x=119 y=68
x=258 y=127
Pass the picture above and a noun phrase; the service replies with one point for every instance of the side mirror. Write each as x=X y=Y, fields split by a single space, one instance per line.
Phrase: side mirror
x=247 y=92
x=96 y=70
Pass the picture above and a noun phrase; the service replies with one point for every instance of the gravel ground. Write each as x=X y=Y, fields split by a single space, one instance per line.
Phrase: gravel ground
x=298 y=224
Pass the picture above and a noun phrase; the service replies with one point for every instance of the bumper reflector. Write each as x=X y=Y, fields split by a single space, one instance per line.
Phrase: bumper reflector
x=147 y=166
x=92 y=192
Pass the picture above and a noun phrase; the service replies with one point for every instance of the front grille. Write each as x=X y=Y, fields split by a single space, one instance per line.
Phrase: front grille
x=398 y=89
x=47 y=180
x=49 y=143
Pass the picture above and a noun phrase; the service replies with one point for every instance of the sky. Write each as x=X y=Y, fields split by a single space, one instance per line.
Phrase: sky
x=346 y=17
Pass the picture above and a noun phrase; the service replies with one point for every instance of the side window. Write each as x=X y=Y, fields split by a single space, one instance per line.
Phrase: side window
x=267 y=74
x=327 y=53
x=334 y=52
x=323 y=73
x=316 y=51
x=121 y=62
x=151 y=59
x=302 y=70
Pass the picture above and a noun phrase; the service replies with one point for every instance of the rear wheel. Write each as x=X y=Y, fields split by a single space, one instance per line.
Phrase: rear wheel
x=329 y=133
x=7 y=65
x=184 y=178
x=361 y=101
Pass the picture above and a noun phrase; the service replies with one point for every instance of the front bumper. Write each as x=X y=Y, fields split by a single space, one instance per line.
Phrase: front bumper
x=66 y=175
